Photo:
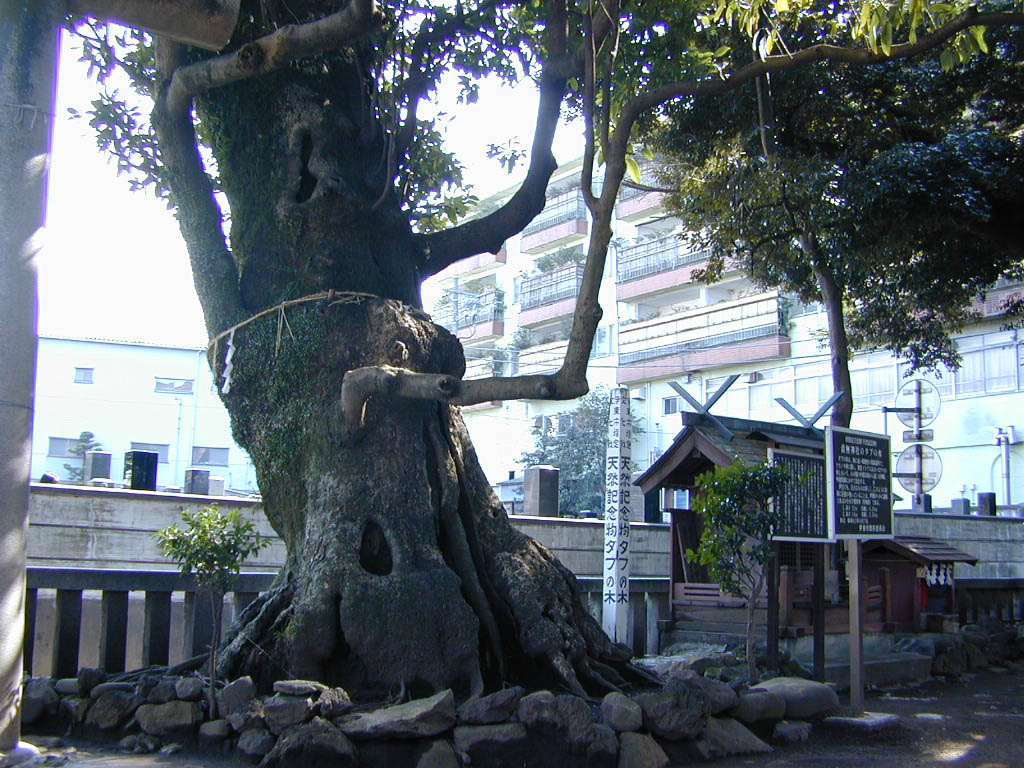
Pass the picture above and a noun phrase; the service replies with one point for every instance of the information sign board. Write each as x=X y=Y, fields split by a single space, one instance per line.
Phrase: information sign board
x=859 y=478
x=918 y=393
x=617 y=513
x=803 y=501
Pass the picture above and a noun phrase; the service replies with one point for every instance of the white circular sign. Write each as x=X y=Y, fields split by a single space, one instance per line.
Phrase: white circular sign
x=931 y=468
x=930 y=402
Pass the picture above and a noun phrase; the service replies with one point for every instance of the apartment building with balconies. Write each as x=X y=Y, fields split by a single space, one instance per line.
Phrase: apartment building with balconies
x=660 y=326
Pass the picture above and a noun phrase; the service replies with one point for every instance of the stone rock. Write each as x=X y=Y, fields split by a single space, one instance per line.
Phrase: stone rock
x=569 y=716
x=171 y=749
x=702 y=663
x=67 y=686
x=282 y=712
x=677 y=711
x=639 y=750
x=89 y=678
x=250 y=717
x=74 y=709
x=621 y=713
x=725 y=736
x=602 y=747
x=788 y=732
x=111 y=710
x=213 y=733
x=976 y=657
x=162 y=692
x=299 y=687
x=504 y=745
x=256 y=742
x=312 y=744
x=756 y=705
x=139 y=744
x=38 y=698
x=189 y=688
x=415 y=719
x=721 y=696
x=235 y=696
x=537 y=710
x=414 y=753
x=951 y=662
x=172 y=718
x=99 y=690
x=333 y=702
x=805 y=699
x=497 y=707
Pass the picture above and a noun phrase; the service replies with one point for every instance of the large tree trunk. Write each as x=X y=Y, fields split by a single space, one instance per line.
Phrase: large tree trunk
x=403 y=569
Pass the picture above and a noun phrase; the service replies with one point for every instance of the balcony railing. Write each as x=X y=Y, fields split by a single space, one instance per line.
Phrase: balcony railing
x=654 y=256
x=465 y=310
x=542 y=358
x=549 y=287
x=707 y=342
x=692 y=330
x=647 y=179
x=567 y=206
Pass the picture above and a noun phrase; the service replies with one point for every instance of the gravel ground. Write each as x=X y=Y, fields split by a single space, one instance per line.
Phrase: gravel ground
x=976 y=721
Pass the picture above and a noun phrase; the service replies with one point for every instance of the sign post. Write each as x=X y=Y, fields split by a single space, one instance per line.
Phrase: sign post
x=859 y=477
x=617 y=513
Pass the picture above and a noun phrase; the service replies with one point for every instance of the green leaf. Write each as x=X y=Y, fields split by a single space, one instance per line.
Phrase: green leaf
x=633 y=169
x=946 y=59
x=781 y=6
x=887 y=39
x=647 y=153
x=978 y=33
x=722 y=50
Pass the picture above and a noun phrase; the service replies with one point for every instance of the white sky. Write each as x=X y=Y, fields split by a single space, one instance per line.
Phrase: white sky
x=115 y=266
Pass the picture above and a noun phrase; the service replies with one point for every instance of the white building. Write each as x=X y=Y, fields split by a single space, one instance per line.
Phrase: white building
x=512 y=311
x=133 y=396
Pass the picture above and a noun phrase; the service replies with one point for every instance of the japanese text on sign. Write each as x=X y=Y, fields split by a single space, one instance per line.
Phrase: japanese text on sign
x=860 y=482
x=617 y=512
x=803 y=500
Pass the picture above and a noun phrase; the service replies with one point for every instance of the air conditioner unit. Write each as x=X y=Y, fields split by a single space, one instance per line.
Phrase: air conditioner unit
x=753 y=378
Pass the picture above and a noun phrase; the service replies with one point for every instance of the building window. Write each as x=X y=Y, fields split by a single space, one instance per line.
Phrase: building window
x=204 y=457
x=62 y=447
x=602 y=346
x=174 y=386
x=83 y=375
x=162 y=450
x=670 y=405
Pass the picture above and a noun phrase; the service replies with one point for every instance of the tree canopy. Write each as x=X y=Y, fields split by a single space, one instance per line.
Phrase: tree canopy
x=866 y=183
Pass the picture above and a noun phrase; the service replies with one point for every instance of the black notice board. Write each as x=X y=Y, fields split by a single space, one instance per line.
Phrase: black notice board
x=859 y=475
x=803 y=501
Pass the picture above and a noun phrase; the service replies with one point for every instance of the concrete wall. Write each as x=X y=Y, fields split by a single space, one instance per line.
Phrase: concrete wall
x=81 y=527
x=997 y=542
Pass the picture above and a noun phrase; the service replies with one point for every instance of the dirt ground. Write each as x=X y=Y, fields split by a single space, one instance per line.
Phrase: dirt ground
x=977 y=721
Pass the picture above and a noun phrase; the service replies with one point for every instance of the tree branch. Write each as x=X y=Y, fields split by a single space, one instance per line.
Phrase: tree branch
x=815 y=53
x=199 y=217
x=488 y=233
x=362 y=383
x=273 y=52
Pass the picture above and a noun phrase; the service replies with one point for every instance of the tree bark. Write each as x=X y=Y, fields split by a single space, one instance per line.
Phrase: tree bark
x=403 y=570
